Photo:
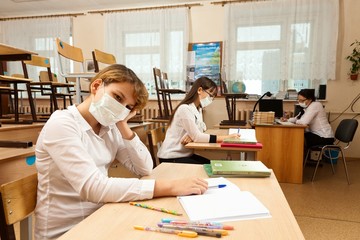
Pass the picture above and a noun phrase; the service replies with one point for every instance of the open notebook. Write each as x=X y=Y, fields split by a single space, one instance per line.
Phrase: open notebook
x=222 y=205
x=247 y=136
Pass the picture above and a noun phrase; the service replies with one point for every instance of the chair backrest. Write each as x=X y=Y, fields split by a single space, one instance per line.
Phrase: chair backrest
x=157 y=78
x=165 y=80
x=67 y=52
x=40 y=62
x=346 y=130
x=223 y=87
x=44 y=77
x=156 y=137
x=18 y=200
x=102 y=57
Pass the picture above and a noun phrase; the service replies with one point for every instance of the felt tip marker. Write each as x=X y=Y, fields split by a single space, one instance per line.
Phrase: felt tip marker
x=188 y=234
x=200 y=231
x=210 y=225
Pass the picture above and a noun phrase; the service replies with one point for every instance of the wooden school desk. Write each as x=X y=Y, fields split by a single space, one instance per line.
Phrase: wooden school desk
x=217 y=146
x=115 y=221
x=9 y=53
x=283 y=150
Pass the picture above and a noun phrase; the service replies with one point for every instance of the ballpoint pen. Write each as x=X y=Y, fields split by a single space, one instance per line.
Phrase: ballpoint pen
x=189 y=234
x=217 y=186
x=200 y=231
x=155 y=208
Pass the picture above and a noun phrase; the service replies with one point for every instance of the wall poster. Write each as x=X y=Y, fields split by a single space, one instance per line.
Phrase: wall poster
x=204 y=59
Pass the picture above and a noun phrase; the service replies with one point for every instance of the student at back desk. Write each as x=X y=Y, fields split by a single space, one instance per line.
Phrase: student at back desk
x=186 y=125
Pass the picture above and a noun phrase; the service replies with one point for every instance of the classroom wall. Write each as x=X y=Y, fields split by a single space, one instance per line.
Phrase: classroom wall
x=206 y=24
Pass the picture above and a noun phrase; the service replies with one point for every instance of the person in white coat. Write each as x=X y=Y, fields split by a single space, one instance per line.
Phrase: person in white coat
x=186 y=125
x=77 y=145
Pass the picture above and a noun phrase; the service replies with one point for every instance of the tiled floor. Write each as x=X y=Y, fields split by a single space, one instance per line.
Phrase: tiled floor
x=327 y=208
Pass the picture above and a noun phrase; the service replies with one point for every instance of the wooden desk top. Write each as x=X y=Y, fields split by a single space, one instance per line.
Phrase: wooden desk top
x=157 y=120
x=218 y=147
x=116 y=220
x=7 y=154
x=10 y=50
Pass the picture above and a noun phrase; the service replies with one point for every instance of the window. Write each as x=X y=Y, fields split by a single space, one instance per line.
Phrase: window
x=278 y=45
x=147 y=39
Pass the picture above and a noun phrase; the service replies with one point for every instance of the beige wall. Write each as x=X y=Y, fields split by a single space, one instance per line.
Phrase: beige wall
x=207 y=25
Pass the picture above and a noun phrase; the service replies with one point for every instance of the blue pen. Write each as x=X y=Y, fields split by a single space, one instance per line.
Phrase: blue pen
x=217 y=186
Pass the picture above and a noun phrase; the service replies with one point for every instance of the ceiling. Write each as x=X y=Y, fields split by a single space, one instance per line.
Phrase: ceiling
x=20 y=8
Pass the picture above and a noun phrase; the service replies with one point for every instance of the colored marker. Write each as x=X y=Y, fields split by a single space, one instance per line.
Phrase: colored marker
x=211 y=225
x=155 y=208
x=189 y=234
x=200 y=231
x=217 y=186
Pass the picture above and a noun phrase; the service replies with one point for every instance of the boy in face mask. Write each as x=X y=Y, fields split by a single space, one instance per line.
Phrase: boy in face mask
x=186 y=125
x=77 y=146
x=313 y=114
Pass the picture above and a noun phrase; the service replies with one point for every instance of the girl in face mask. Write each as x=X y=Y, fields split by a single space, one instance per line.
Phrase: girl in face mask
x=313 y=114
x=186 y=125
x=77 y=145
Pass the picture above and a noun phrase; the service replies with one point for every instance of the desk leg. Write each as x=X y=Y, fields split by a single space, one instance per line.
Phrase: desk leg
x=16 y=102
x=26 y=228
x=31 y=102
x=78 y=91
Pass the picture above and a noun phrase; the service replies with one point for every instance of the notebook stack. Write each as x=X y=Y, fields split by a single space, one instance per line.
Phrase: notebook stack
x=264 y=118
x=226 y=168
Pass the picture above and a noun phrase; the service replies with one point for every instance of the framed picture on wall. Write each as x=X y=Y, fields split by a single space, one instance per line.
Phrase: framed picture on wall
x=205 y=59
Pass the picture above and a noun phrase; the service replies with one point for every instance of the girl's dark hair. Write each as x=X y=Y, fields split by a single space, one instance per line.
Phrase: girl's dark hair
x=308 y=94
x=205 y=83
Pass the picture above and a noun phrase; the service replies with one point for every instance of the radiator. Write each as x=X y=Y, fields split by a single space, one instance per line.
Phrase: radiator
x=149 y=112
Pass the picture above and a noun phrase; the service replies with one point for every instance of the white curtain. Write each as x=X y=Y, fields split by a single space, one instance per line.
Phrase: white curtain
x=280 y=44
x=36 y=35
x=145 y=39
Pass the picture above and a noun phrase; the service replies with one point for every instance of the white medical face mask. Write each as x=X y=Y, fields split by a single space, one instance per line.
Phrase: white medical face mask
x=303 y=105
x=205 y=101
x=108 y=111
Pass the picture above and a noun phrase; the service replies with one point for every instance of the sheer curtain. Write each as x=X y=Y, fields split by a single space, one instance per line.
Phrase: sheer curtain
x=145 y=39
x=37 y=35
x=277 y=45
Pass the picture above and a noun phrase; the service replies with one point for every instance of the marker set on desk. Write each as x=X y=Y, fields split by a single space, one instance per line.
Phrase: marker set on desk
x=189 y=229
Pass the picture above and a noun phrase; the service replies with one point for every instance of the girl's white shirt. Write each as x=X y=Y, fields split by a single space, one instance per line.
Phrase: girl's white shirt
x=72 y=163
x=188 y=120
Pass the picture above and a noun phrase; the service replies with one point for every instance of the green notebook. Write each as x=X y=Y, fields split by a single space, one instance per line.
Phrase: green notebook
x=239 y=168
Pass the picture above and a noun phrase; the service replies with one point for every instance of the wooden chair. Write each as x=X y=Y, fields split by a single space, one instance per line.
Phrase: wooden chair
x=66 y=52
x=163 y=93
x=169 y=91
x=48 y=84
x=18 y=201
x=155 y=137
x=103 y=58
